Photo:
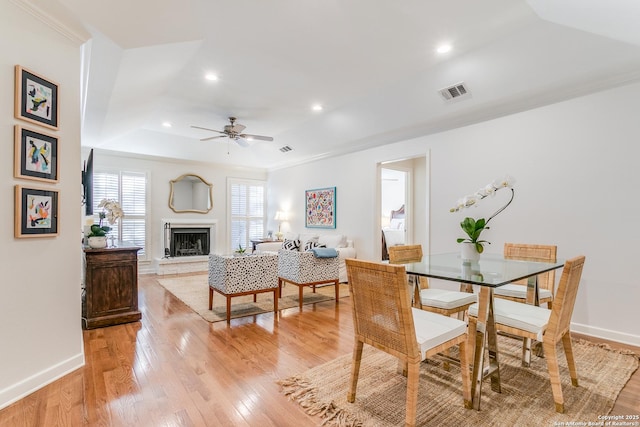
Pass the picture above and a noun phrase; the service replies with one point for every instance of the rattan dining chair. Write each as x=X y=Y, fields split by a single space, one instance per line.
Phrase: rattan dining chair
x=383 y=318
x=546 y=325
x=440 y=301
x=546 y=281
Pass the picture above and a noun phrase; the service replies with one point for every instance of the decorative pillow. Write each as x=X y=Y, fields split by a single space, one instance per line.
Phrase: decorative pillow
x=332 y=240
x=311 y=244
x=291 y=245
x=306 y=238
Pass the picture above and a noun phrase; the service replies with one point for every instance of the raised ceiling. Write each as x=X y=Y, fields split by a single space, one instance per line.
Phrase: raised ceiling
x=372 y=65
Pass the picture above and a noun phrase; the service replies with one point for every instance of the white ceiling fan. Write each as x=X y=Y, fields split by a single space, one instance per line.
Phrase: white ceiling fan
x=234 y=131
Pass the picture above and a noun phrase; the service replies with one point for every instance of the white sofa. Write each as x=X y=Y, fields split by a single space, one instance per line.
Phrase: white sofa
x=340 y=242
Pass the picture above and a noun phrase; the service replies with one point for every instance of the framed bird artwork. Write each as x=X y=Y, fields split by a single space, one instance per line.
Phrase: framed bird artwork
x=36 y=99
x=35 y=155
x=36 y=212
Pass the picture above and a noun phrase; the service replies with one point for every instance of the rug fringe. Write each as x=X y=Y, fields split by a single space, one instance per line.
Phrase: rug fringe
x=609 y=348
x=301 y=391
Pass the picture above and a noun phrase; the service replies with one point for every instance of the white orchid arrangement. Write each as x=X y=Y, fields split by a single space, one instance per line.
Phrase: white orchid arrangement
x=473 y=227
x=111 y=211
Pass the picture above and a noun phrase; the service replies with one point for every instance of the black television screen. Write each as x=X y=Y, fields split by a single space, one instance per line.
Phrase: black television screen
x=87 y=184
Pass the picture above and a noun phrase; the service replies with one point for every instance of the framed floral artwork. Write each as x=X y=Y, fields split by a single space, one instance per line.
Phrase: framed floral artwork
x=36 y=99
x=36 y=212
x=320 y=205
x=35 y=155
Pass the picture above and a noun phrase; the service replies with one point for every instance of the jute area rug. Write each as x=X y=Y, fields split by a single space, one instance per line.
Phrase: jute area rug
x=526 y=398
x=194 y=292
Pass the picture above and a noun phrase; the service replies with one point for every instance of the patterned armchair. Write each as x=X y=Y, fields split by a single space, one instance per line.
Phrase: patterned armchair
x=243 y=275
x=304 y=269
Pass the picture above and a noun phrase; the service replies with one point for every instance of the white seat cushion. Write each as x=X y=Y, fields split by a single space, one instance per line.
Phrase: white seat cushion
x=520 y=291
x=433 y=329
x=442 y=298
x=528 y=317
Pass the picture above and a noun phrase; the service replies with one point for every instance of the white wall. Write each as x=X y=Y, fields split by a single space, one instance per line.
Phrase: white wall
x=41 y=335
x=577 y=175
x=160 y=173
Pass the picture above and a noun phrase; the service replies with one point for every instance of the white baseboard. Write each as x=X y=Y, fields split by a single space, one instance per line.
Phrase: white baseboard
x=607 y=334
x=27 y=386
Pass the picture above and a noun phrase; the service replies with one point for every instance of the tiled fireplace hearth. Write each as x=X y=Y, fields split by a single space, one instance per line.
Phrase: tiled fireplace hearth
x=186 y=247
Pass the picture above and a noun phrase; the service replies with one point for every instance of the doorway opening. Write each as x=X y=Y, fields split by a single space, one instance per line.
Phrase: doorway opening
x=402 y=203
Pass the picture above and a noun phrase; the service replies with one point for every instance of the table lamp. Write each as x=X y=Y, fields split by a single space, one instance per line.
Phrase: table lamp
x=280 y=217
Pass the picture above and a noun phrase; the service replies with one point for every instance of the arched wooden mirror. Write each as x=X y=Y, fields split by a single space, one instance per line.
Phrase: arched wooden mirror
x=190 y=193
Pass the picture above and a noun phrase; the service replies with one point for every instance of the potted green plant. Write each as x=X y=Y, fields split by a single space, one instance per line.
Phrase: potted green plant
x=97 y=237
x=473 y=228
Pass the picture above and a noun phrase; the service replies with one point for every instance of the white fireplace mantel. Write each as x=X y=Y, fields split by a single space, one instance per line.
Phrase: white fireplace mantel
x=189 y=222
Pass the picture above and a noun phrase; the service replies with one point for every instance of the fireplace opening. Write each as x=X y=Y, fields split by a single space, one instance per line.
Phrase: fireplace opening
x=189 y=242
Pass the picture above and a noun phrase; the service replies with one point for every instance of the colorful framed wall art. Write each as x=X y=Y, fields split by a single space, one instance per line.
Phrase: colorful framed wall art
x=36 y=99
x=320 y=205
x=36 y=212
x=35 y=155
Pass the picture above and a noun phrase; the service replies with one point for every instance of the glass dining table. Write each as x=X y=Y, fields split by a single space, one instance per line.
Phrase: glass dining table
x=490 y=272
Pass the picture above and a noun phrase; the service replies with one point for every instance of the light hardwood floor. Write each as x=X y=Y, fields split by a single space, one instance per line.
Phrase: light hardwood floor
x=175 y=369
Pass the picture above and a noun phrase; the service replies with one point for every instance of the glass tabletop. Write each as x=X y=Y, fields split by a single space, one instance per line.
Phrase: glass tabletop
x=492 y=270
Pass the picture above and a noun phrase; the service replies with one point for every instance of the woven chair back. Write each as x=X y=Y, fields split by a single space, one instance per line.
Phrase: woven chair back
x=540 y=253
x=405 y=254
x=381 y=308
x=560 y=320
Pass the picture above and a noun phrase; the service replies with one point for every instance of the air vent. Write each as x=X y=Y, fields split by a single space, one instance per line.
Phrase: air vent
x=455 y=91
x=285 y=149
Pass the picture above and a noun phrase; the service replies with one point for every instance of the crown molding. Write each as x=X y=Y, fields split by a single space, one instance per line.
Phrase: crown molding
x=49 y=20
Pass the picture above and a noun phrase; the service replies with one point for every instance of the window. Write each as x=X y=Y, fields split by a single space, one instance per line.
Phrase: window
x=130 y=189
x=247 y=211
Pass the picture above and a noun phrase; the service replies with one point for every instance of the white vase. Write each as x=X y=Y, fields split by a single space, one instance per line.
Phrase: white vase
x=97 y=242
x=469 y=252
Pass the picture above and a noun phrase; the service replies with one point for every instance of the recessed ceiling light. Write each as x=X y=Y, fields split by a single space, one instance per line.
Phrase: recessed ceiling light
x=166 y=124
x=211 y=77
x=443 y=48
x=316 y=107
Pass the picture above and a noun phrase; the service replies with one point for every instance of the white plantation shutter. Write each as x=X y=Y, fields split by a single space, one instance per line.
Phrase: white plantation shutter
x=130 y=190
x=247 y=211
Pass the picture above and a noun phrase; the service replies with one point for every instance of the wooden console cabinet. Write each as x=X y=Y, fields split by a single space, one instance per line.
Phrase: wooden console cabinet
x=110 y=295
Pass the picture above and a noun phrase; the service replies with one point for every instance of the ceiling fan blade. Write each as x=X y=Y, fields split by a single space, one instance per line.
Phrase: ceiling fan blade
x=241 y=142
x=213 y=137
x=256 y=137
x=212 y=130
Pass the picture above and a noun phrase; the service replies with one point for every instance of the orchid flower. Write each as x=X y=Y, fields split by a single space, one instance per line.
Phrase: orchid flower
x=111 y=210
x=489 y=190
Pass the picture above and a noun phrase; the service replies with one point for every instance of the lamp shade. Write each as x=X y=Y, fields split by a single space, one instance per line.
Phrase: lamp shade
x=281 y=216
